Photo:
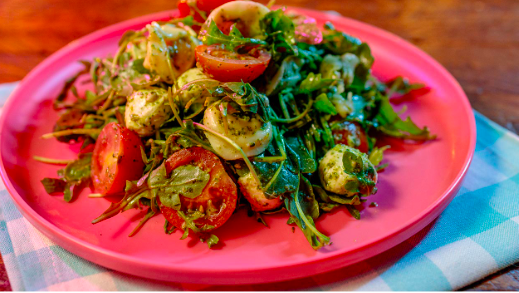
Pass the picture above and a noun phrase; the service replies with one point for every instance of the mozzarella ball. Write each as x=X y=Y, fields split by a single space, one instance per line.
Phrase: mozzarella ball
x=146 y=110
x=349 y=180
x=248 y=131
x=170 y=50
x=192 y=98
x=246 y=15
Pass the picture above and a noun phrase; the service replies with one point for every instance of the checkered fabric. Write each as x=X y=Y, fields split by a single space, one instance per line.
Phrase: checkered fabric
x=477 y=235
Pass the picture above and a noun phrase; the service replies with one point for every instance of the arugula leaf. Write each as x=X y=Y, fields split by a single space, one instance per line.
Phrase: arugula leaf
x=338 y=42
x=303 y=209
x=323 y=104
x=377 y=154
x=353 y=211
x=307 y=163
x=53 y=185
x=363 y=69
x=70 y=83
x=247 y=98
x=168 y=228
x=402 y=86
x=187 y=180
x=79 y=169
x=332 y=201
x=314 y=82
x=188 y=137
x=392 y=125
x=311 y=54
x=354 y=200
x=279 y=177
x=287 y=76
x=209 y=239
x=213 y=35
x=73 y=177
x=280 y=31
x=138 y=66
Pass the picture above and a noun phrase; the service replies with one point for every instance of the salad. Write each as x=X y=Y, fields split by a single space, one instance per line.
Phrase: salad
x=232 y=105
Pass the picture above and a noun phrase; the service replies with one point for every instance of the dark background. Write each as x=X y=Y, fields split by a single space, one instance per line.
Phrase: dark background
x=477 y=41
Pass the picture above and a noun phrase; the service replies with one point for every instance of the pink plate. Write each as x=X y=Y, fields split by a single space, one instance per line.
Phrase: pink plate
x=420 y=182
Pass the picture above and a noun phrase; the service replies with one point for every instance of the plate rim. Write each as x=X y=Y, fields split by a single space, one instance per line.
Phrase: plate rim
x=248 y=275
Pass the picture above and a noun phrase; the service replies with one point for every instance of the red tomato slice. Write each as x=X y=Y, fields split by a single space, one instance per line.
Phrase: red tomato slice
x=307 y=30
x=218 y=198
x=354 y=130
x=225 y=66
x=116 y=158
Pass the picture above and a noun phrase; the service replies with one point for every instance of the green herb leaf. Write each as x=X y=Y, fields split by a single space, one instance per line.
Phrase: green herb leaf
x=401 y=85
x=283 y=183
x=189 y=137
x=213 y=35
x=338 y=42
x=79 y=170
x=280 y=31
x=211 y=241
x=353 y=211
x=303 y=209
x=73 y=177
x=323 y=105
x=307 y=163
x=138 y=66
x=187 y=180
x=53 y=185
x=377 y=154
x=354 y=200
x=392 y=125
x=314 y=82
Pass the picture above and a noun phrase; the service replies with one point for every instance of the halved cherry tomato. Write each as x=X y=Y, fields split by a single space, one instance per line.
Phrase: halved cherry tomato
x=225 y=66
x=354 y=131
x=218 y=199
x=307 y=30
x=116 y=158
x=203 y=5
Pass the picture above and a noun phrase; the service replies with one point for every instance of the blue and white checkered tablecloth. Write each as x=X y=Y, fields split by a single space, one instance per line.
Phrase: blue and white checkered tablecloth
x=477 y=235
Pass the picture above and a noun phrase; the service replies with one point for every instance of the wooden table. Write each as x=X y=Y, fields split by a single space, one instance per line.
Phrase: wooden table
x=476 y=41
